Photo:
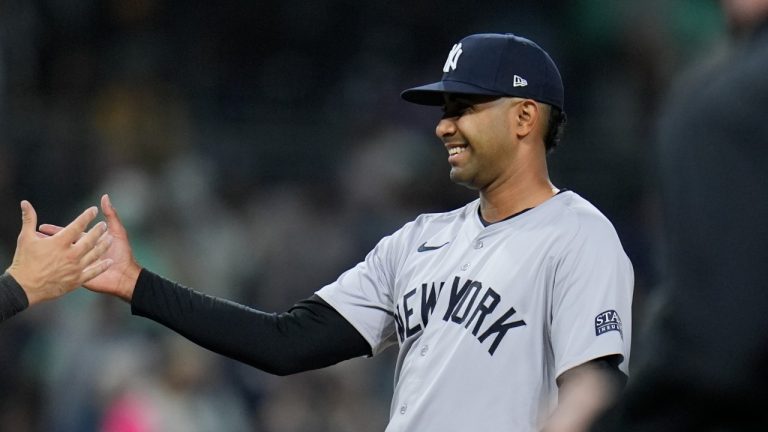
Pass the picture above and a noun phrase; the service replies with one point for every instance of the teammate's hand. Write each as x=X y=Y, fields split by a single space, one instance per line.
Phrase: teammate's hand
x=49 y=267
x=120 y=279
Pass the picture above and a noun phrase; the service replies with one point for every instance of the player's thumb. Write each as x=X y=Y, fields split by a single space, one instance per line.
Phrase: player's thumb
x=113 y=220
x=28 y=218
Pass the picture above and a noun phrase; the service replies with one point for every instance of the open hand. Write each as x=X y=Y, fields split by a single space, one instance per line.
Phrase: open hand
x=49 y=267
x=120 y=279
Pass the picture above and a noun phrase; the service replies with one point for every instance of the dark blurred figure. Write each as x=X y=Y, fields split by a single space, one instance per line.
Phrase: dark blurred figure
x=703 y=366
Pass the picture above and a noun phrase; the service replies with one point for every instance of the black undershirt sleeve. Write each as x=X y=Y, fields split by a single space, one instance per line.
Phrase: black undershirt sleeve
x=13 y=299
x=310 y=335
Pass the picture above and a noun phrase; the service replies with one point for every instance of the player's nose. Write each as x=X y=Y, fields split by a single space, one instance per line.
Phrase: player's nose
x=445 y=127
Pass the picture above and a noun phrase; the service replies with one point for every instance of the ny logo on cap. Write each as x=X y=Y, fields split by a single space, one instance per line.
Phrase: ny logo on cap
x=453 y=58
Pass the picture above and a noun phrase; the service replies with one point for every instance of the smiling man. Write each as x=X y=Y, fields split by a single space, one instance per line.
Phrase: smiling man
x=512 y=313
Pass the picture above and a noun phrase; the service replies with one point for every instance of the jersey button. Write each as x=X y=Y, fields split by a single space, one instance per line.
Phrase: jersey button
x=403 y=408
x=479 y=245
x=424 y=350
x=464 y=267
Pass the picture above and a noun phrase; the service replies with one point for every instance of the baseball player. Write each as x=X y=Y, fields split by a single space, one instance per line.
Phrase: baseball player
x=505 y=311
x=47 y=268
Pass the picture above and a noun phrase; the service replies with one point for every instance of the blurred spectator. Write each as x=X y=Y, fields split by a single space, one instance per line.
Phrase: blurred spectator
x=702 y=366
x=183 y=397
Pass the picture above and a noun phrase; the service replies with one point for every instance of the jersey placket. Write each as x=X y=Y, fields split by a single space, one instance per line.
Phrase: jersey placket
x=419 y=361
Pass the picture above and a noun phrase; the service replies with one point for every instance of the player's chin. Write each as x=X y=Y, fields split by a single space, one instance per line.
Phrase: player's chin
x=463 y=178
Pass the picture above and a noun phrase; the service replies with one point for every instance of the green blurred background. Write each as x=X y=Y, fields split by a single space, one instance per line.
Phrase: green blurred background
x=255 y=150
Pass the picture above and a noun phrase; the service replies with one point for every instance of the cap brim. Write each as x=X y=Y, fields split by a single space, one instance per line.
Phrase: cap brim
x=432 y=94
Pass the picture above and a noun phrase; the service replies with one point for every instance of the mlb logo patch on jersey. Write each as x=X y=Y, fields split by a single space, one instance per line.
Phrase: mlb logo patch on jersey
x=608 y=321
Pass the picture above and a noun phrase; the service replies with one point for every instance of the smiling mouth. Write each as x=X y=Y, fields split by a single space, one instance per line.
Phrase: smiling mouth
x=457 y=150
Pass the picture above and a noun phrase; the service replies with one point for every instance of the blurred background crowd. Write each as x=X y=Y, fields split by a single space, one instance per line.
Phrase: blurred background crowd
x=255 y=150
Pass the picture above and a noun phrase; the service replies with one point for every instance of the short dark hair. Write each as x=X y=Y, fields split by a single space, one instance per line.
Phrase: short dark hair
x=555 y=128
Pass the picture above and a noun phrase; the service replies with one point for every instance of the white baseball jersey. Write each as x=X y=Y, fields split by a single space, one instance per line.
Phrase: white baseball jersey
x=487 y=317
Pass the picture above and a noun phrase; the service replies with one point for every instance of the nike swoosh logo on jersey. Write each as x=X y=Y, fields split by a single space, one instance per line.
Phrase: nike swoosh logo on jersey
x=425 y=248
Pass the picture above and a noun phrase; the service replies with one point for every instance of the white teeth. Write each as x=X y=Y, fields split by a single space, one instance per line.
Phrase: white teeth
x=456 y=150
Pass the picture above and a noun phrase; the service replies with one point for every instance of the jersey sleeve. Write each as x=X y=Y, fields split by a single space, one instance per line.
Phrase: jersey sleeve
x=591 y=312
x=13 y=299
x=364 y=294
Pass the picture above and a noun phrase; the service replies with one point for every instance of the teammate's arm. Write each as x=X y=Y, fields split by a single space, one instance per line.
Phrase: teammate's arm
x=12 y=297
x=585 y=392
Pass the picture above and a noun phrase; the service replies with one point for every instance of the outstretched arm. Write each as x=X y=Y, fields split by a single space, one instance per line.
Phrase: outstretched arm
x=310 y=335
x=45 y=268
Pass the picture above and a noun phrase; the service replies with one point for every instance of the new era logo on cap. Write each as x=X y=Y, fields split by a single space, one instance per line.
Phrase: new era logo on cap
x=492 y=64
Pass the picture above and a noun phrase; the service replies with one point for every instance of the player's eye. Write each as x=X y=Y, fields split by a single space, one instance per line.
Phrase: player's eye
x=456 y=109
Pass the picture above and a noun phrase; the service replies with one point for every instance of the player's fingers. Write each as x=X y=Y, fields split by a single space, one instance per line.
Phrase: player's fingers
x=104 y=242
x=72 y=232
x=88 y=241
x=113 y=220
x=28 y=218
x=95 y=269
x=47 y=230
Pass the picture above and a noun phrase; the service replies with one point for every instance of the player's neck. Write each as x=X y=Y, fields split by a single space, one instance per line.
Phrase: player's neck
x=515 y=195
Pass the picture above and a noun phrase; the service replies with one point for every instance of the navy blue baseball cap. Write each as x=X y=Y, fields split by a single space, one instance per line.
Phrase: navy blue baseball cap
x=494 y=65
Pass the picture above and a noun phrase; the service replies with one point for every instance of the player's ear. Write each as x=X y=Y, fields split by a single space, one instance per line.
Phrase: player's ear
x=525 y=116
